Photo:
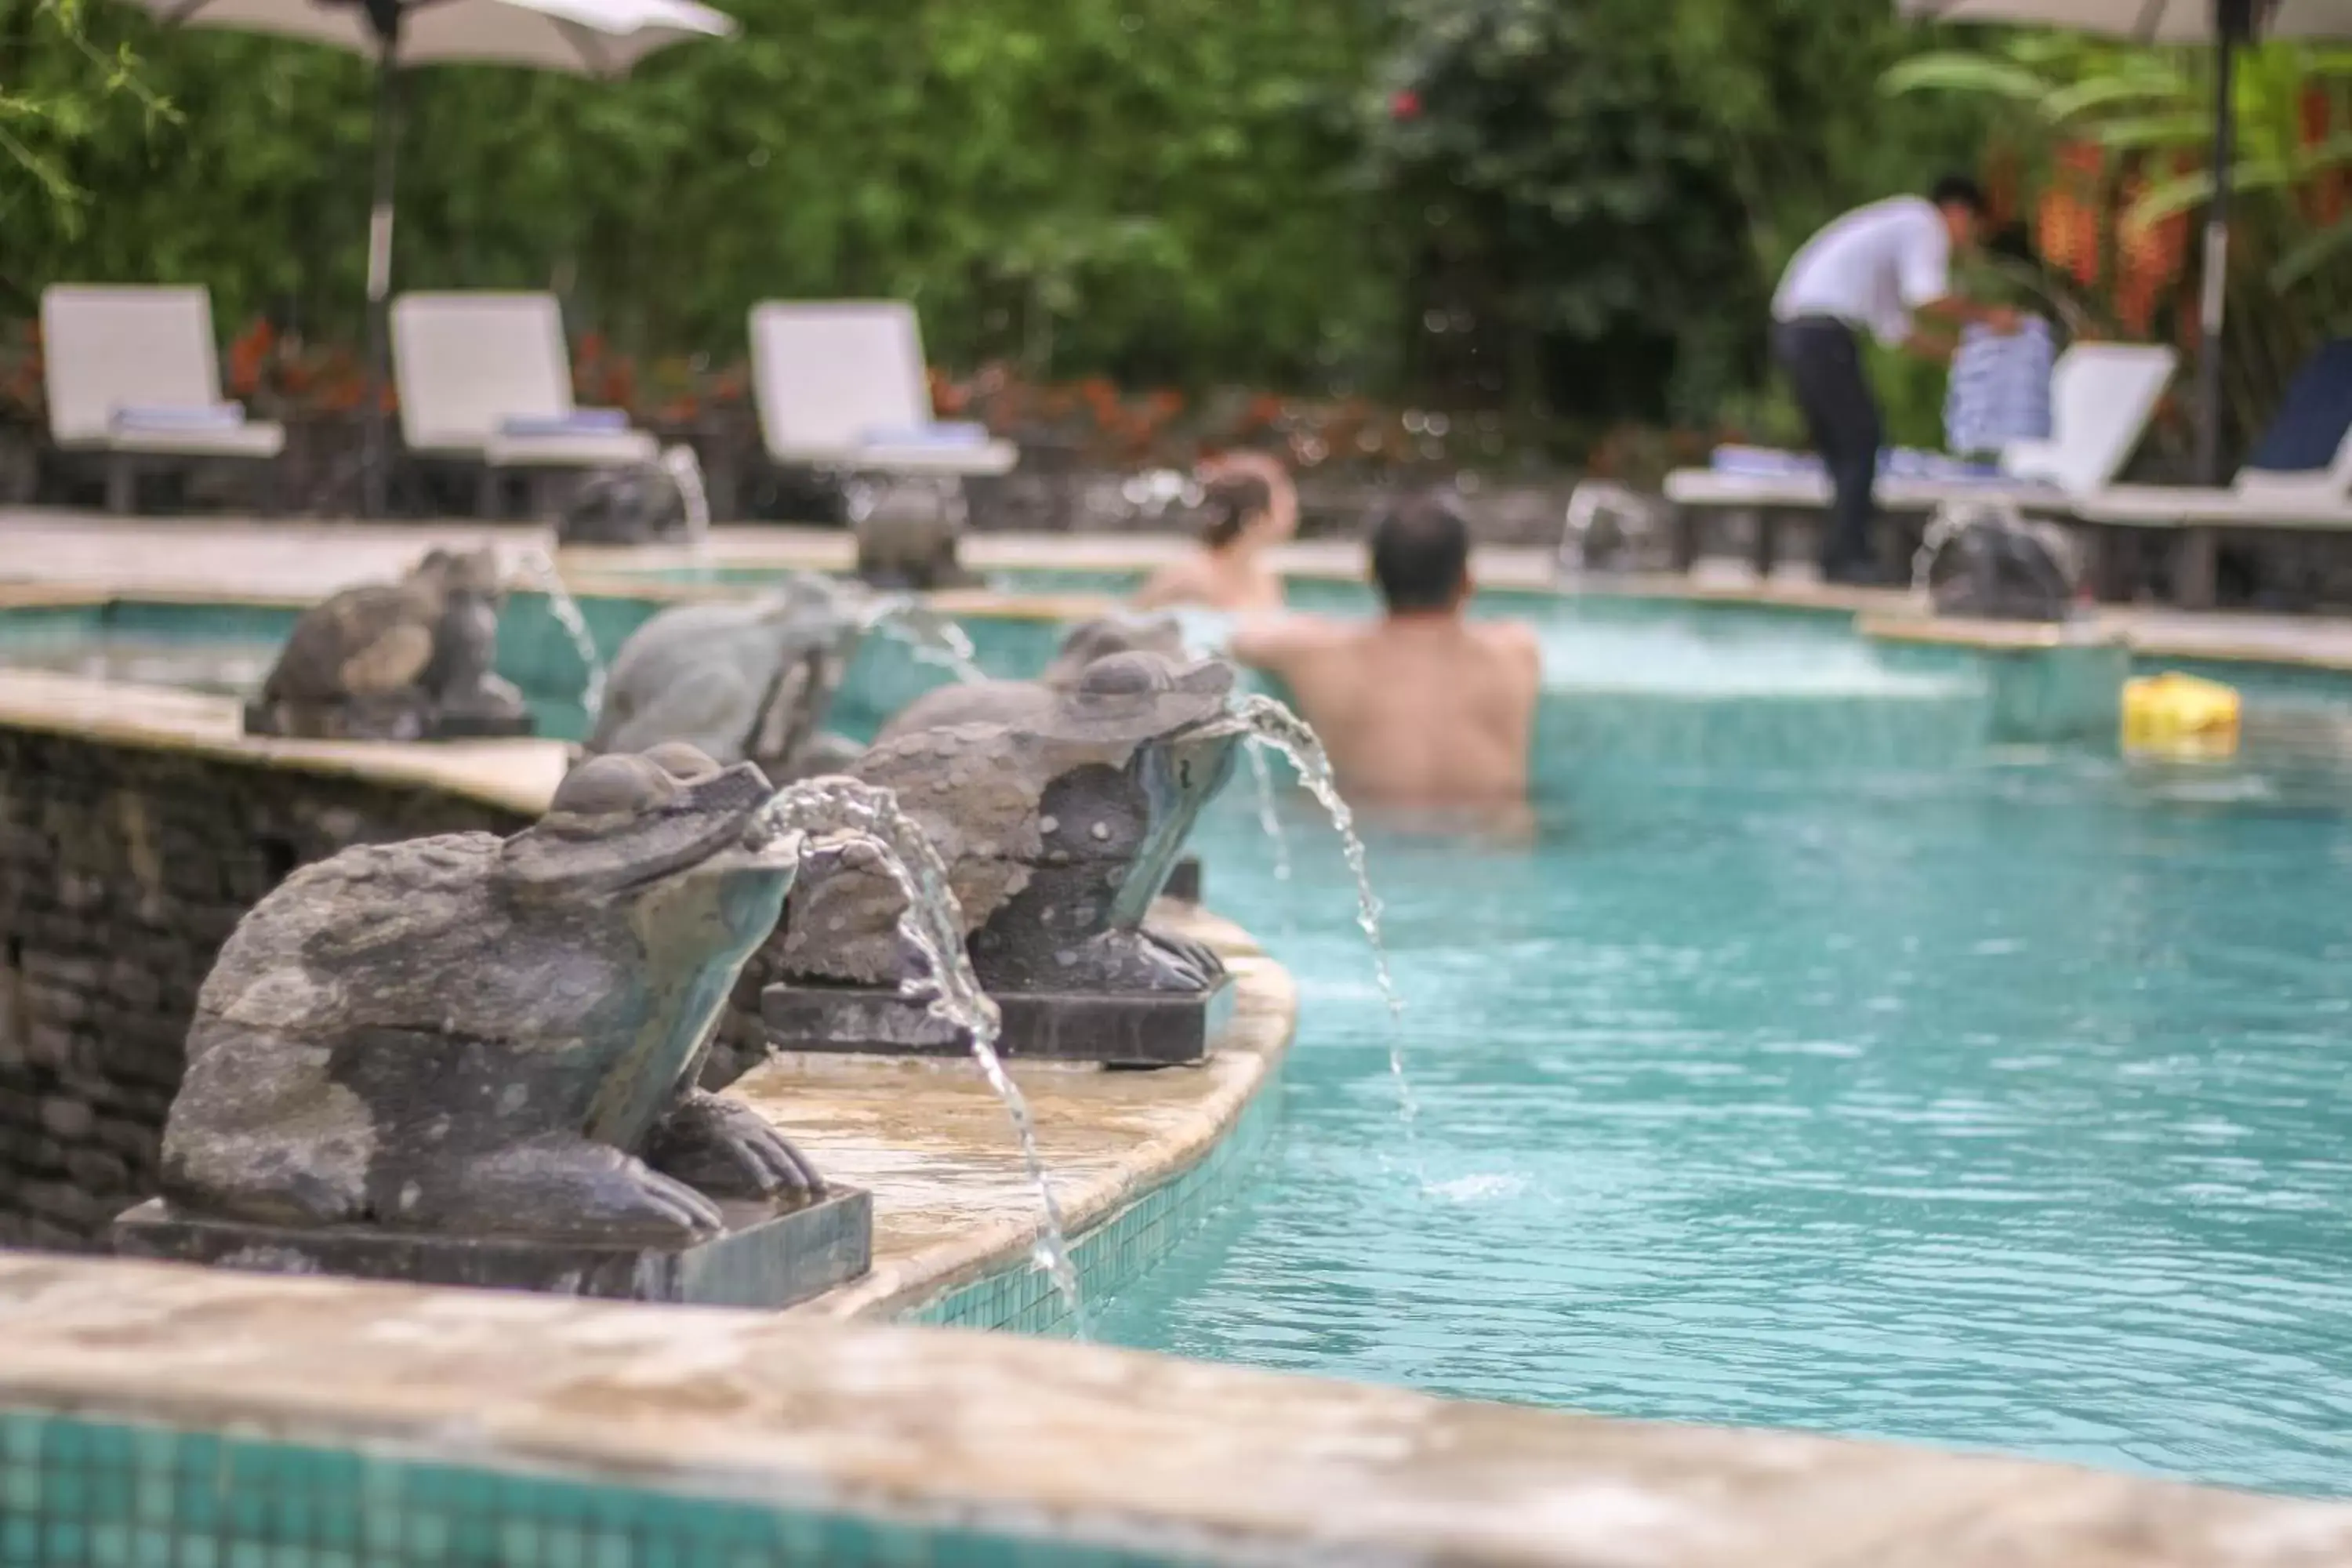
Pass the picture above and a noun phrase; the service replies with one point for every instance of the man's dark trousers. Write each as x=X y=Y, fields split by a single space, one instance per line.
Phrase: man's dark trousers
x=1822 y=360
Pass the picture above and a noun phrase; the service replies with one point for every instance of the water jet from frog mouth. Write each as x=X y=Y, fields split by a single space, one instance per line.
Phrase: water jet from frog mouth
x=834 y=809
x=1267 y=722
x=567 y=614
x=932 y=638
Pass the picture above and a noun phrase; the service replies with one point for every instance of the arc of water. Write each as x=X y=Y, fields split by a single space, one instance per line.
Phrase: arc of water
x=1267 y=719
x=1269 y=819
x=932 y=638
x=933 y=926
x=566 y=610
x=684 y=469
x=1944 y=526
x=1269 y=816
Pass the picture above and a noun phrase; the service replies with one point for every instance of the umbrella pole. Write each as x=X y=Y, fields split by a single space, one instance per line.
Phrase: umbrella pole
x=375 y=451
x=2233 y=21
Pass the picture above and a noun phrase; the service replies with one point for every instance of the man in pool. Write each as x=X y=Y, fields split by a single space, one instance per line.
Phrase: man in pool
x=1422 y=707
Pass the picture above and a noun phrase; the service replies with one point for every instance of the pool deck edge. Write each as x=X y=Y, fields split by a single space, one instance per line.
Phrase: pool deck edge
x=1059 y=1441
x=517 y=776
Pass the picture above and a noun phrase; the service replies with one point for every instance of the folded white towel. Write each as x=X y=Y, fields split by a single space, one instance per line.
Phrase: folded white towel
x=198 y=416
x=946 y=434
x=1894 y=463
x=579 y=422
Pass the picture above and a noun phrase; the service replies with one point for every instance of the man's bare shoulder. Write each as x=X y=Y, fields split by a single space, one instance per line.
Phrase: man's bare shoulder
x=1514 y=639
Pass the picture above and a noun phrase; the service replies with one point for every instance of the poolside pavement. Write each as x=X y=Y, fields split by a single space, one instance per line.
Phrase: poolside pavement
x=305 y=560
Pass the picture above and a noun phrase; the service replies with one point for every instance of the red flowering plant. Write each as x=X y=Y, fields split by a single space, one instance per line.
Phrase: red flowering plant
x=601 y=377
x=687 y=389
x=24 y=395
x=279 y=375
x=1107 y=427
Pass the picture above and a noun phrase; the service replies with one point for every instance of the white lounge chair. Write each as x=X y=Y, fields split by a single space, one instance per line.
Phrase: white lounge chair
x=841 y=387
x=2102 y=396
x=133 y=374
x=487 y=377
x=2308 y=499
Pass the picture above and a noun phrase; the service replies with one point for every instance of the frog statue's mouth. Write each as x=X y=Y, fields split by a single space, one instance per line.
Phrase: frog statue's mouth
x=620 y=821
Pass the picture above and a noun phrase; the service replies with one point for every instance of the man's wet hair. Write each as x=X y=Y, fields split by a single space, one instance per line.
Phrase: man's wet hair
x=1421 y=554
x=1229 y=504
x=1959 y=191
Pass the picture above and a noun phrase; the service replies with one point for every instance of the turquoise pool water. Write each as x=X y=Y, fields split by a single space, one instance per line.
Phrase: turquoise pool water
x=1836 y=1057
x=1980 y=1095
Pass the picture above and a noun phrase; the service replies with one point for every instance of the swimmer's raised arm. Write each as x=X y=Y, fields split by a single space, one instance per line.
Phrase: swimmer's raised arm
x=1177 y=582
x=1272 y=642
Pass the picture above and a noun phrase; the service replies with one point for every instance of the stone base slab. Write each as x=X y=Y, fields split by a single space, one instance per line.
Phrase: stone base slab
x=767 y=1258
x=1135 y=1029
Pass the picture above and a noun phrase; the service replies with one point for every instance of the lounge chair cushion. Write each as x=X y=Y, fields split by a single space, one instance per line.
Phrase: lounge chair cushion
x=2314 y=416
x=576 y=422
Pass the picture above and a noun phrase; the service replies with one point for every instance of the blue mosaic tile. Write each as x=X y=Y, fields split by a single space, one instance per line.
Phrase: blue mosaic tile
x=184 y=1499
x=1122 y=1249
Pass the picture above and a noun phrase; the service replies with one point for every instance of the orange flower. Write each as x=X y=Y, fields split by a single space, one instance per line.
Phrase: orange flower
x=248 y=358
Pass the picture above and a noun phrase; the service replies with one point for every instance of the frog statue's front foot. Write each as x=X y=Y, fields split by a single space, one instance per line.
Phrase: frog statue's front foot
x=1125 y=960
x=729 y=1151
x=560 y=1185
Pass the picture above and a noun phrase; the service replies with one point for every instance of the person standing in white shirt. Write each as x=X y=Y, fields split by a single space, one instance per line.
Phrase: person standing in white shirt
x=1880 y=269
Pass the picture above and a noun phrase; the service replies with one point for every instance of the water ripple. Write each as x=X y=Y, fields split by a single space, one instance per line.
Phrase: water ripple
x=1998 y=1108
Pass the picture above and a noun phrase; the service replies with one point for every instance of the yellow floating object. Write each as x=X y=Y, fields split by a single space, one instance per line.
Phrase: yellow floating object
x=2180 y=715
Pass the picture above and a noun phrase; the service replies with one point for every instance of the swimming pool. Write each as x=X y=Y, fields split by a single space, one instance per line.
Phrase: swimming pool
x=1830 y=1059
x=1973 y=1094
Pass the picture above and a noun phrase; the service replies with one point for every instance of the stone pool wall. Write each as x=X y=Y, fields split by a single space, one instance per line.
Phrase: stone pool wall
x=122 y=869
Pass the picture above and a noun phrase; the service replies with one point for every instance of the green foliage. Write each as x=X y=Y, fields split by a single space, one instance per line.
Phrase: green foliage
x=1161 y=187
x=53 y=80
x=1593 y=201
x=1614 y=185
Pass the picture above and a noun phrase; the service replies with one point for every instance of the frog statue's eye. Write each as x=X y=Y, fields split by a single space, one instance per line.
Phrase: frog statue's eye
x=681 y=761
x=1125 y=675
x=613 y=786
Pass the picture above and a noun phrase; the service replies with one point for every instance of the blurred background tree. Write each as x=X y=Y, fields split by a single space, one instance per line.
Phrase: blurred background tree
x=54 y=82
x=1597 y=198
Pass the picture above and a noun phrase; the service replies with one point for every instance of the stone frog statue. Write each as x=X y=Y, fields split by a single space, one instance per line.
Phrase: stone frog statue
x=743 y=682
x=1059 y=827
x=638 y=503
x=1990 y=562
x=1002 y=701
x=475 y=1035
x=404 y=661
x=908 y=532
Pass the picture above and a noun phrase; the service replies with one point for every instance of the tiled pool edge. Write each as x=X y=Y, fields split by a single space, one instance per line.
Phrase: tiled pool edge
x=77 y=1493
x=735 y=1439
x=1137 y=1158
x=1116 y=1253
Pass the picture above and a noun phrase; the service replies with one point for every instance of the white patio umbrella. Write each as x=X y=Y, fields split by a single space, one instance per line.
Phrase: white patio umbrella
x=603 y=38
x=2225 y=25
